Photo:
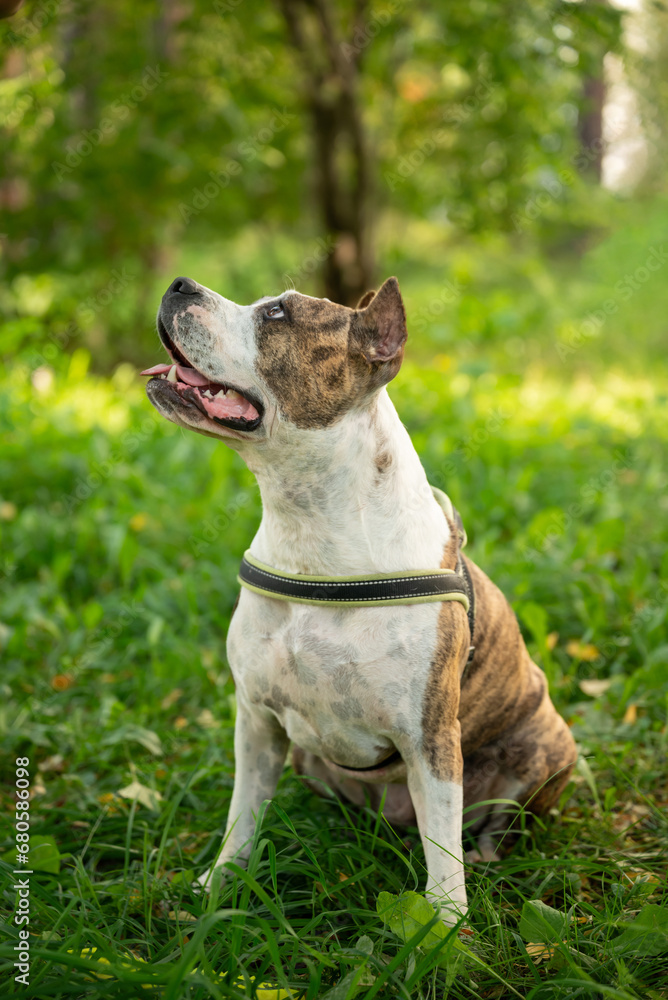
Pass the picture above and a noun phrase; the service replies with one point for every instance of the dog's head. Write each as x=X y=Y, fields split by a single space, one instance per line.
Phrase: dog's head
x=237 y=371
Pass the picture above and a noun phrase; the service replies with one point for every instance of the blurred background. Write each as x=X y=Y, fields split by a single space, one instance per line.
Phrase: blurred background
x=504 y=159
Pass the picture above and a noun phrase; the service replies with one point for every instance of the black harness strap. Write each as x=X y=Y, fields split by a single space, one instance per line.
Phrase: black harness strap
x=399 y=588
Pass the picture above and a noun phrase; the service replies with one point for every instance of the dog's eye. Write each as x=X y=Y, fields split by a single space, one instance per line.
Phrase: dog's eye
x=274 y=312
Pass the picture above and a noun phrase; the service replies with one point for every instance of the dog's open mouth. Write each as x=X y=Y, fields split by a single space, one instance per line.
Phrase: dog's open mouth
x=221 y=403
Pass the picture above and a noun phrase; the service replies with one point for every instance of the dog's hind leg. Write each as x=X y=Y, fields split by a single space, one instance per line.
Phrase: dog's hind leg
x=528 y=765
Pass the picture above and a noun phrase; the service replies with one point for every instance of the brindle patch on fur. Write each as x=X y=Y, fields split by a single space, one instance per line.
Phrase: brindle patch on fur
x=500 y=720
x=314 y=358
x=440 y=727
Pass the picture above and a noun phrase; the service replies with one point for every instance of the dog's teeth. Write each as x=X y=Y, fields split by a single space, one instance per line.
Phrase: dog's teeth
x=233 y=394
x=207 y=393
x=171 y=374
x=163 y=375
x=221 y=392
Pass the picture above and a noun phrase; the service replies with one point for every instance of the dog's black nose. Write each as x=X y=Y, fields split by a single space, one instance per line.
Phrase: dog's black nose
x=184 y=286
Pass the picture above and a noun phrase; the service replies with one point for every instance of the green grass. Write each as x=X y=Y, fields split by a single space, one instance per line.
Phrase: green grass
x=120 y=539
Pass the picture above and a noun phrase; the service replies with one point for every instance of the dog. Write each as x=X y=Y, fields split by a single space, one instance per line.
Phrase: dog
x=395 y=704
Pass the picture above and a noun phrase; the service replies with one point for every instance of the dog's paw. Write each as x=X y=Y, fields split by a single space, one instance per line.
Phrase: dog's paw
x=205 y=882
x=484 y=853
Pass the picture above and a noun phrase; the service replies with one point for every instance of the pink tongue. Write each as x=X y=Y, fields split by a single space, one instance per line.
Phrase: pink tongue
x=156 y=370
x=221 y=406
x=225 y=408
x=188 y=375
x=192 y=377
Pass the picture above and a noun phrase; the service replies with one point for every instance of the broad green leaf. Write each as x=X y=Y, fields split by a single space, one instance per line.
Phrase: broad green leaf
x=542 y=923
x=646 y=935
x=44 y=855
x=135 y=734
x=407 y=914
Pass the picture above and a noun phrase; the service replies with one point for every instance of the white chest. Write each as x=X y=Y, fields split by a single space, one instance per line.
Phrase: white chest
x=344 y=683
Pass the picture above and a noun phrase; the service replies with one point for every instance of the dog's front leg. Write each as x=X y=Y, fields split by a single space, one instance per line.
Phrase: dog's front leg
x=435 y=784
x=260 y=749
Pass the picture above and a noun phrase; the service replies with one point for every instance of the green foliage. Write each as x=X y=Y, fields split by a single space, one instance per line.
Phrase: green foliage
x=129 y=131
x=120 y=542
x=535 y=391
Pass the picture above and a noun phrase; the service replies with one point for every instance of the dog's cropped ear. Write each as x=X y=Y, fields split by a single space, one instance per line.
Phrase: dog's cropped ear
x=365 y=300
x=378 y=329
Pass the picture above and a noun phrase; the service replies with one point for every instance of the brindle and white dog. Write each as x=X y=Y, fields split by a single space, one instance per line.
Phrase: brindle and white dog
x=296 y=385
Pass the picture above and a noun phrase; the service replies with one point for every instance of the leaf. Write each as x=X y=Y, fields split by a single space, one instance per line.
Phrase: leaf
x=646 y=935
x=146 y=796
x=540 y=952
x=584 y=769
x=595 y=686
x=365 y=944
x=407 y=914
x=155 y=629
x=44 y=855
x=631 y=714
x=542 y=923
x=264 y=991
x=184 y=916
x=582 y=650
x=136 y=734
x=348 y=987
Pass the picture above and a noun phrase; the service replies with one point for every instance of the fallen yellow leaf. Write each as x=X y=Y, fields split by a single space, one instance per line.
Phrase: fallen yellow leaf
x=595 y=686
x=582 y=650
x=207 y=720
x=540 y=952
x=551 y=640
x=631 y=714
x=171 y=698
x=61 y=682
x=146 y=796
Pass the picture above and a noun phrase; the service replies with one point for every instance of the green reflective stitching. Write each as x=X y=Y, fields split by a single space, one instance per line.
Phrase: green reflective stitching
x=426 y=599
x=341 y=579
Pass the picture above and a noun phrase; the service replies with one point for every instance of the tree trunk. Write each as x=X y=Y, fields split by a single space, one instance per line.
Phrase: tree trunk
x=331 y=67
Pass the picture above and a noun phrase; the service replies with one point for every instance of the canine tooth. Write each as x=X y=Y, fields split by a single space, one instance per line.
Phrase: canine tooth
x=171 y=374
x=207 y=393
